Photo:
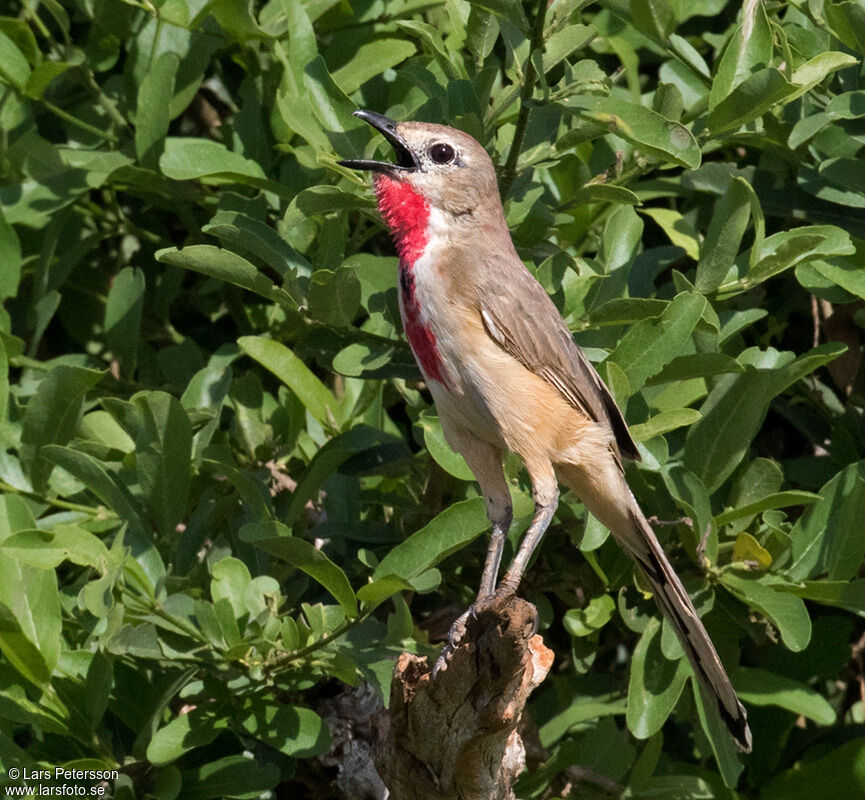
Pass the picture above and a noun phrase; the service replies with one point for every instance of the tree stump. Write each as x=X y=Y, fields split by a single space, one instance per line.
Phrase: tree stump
x=455 y=737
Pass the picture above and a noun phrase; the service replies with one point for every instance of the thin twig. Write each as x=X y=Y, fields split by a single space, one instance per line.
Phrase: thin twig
x=537 y=45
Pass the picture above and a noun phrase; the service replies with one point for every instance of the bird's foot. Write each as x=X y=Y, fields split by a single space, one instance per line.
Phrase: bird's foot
x=455 y=635
x=458 y=629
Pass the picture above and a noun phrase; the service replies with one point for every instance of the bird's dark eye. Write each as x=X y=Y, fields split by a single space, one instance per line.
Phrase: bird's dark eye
x=441 y=153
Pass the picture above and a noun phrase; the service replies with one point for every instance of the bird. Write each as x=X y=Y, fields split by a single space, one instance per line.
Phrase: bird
x=507 y=376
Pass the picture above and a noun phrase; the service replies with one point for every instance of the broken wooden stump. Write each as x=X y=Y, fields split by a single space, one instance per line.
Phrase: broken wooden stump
x=455 y=737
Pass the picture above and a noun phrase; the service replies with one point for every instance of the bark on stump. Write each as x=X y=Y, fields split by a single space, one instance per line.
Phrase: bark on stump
x=455 y=737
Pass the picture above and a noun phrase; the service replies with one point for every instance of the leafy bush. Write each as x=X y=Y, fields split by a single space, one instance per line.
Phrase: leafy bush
x=224 y=488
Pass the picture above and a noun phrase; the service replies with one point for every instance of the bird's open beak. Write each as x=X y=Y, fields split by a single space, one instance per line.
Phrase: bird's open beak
x=405 y=160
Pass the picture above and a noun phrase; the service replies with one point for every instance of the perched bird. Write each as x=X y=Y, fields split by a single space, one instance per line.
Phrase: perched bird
x=506 y=375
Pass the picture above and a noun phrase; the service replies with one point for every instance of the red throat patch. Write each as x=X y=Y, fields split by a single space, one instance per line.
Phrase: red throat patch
x=407 y=215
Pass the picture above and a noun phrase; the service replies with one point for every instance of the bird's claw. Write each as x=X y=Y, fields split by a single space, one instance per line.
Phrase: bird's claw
x=455 y=635
x=458 y=629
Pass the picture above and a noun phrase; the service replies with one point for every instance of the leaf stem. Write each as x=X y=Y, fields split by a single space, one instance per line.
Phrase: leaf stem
x=531 y=77
x=56 y=502
x=78 y=123
x=282 y=659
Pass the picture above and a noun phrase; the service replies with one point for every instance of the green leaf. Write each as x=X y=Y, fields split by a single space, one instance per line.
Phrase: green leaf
x=828 y=536
x=510 y=10
x=277 y=358
x=331 y=457
x=225 y=266
x=849 y=276
x=695 y=365
x=20 y=651
x=234 y=776
x=726 y=756
x=647 y=130
x=585 y=621
x=440 y=450
x=817 y=69
x=334 y=296
x=188 y=158
x=231 y=579
x=840 y=772
x=276 y=539
x=655 y=684
x=749 y=48
x=677 y=228
x=749 y=100
x=197 y=728
x=251 y=235
x=775 y=500
x=450 y=531
x=664 y=422
x=648 y=346
x=655 y=18
x=320 y=200
x=603 y=193
x=724 y=236
x=735 y=408
x=375 y=593
x=293 y=730
x=849 y=595
x=10 y=254
x=762 y=688
x=847 y=21
x=14 y=69
x=94 y=476
x=123 y=310
x=371 y=59
x=152 y=113
x=787 y=613
x=52 y=417
x=48 y=549
x=163 y=452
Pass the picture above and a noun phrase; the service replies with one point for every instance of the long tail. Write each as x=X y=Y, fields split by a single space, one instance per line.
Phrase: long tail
x=613 y=504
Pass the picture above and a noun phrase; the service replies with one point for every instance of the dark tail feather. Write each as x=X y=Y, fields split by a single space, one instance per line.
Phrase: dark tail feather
x=676 y=606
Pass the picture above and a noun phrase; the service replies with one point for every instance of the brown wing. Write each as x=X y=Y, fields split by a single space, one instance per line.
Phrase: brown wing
x=520 y=316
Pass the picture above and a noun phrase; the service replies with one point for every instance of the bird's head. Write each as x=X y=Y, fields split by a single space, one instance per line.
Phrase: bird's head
x=445 y=167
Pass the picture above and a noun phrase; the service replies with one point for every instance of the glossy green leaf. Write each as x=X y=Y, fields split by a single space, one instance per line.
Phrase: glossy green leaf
x=440 y=450
x=786 y=612
x=52 y=417
x=655 y=684
x=752 y=98
x=163 y=450
x=196 y=728
x=276 y=539
x=123 y=310
x=152 y=114
x=225 y=266
x=839 y=772
x=649 y=345
x=585 y=621
x=454 y=528
x=762 y=688
x=749 y=49
x=647 y=130
x=277 y=358
x=663 y=423
x=724 y=236
x=293 y=730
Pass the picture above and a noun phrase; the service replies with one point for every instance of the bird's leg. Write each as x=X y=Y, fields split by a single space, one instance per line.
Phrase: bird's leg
x=485 y=462
x=494 y=555
x=544 y=510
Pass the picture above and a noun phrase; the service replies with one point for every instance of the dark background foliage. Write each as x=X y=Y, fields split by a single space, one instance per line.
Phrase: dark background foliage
x=225 y=492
